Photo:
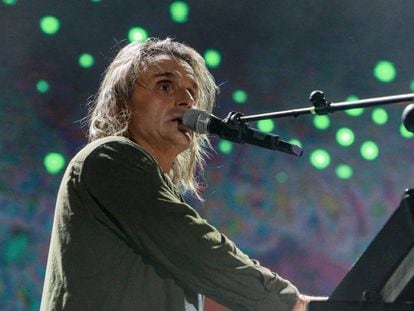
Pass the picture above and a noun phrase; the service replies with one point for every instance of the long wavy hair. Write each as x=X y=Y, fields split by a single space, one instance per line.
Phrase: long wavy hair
x=109 y=113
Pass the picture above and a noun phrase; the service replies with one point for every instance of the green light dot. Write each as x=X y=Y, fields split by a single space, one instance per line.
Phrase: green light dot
x=16 y=248
x=384 y=71
x=54 y=162
x=86 y=60
x=320 y=159
x=49 y=25
x=405 y=133
x=42 y=86
x=344 y=171
x=321 y=122
x=212 y=58
x=282 y=177
x=225 y=146
x=412 y=85
x=378 y=210
x=295 y=142
x=369 y=150
x=352 y=98
x=356 y=111
x=266 y=125
x=239 y=96
x=345 y=137
x=96 y=0
x=179 y=11
x=137 y=34
x=9 y=2
x=379 y=116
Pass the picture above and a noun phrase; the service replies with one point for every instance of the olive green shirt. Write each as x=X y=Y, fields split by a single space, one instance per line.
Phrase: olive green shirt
x=123 y=239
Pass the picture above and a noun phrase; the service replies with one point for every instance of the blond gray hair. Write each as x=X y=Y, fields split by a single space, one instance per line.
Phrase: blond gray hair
x=109 y=113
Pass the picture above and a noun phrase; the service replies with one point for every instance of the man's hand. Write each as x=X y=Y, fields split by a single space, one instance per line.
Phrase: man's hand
x=303 y=301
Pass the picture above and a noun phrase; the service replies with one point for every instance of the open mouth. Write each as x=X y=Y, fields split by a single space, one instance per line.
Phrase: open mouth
x=178 y=120
x=180 y=125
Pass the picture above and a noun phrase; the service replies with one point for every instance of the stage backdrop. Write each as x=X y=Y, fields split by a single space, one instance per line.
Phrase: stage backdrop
x=307 y=218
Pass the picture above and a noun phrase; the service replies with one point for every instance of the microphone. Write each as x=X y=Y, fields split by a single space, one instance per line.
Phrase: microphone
x=407 y=117
x=202 y=122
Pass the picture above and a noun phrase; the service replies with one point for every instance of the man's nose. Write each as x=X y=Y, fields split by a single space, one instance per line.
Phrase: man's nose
x=185 y=99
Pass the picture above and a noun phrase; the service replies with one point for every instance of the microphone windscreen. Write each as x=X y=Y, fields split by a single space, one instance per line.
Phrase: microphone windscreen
x=408 y=117
x=196 y=120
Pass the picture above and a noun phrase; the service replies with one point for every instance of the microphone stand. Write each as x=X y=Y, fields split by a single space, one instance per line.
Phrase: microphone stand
x=237 y=130
x=322 y=107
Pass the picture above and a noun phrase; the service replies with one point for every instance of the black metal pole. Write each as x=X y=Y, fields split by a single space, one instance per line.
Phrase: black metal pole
x=320 y=106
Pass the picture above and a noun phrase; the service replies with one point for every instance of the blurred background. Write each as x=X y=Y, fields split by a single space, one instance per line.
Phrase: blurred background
x=307 y=218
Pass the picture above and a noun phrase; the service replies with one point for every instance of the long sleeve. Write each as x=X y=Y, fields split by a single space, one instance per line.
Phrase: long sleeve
x=138 y=201
x=122 y=239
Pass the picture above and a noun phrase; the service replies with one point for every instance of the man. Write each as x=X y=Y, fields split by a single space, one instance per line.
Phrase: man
x=123 y=238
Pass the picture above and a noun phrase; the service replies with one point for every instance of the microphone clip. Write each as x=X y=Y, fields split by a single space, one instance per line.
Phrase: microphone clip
x=235 y=127
x=237 y=131
x=320 y=105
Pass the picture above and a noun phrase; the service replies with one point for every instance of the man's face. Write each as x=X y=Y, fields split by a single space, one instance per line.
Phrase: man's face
x=165 y=89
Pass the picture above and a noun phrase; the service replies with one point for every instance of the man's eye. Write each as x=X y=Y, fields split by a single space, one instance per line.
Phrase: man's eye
x=165 y=87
